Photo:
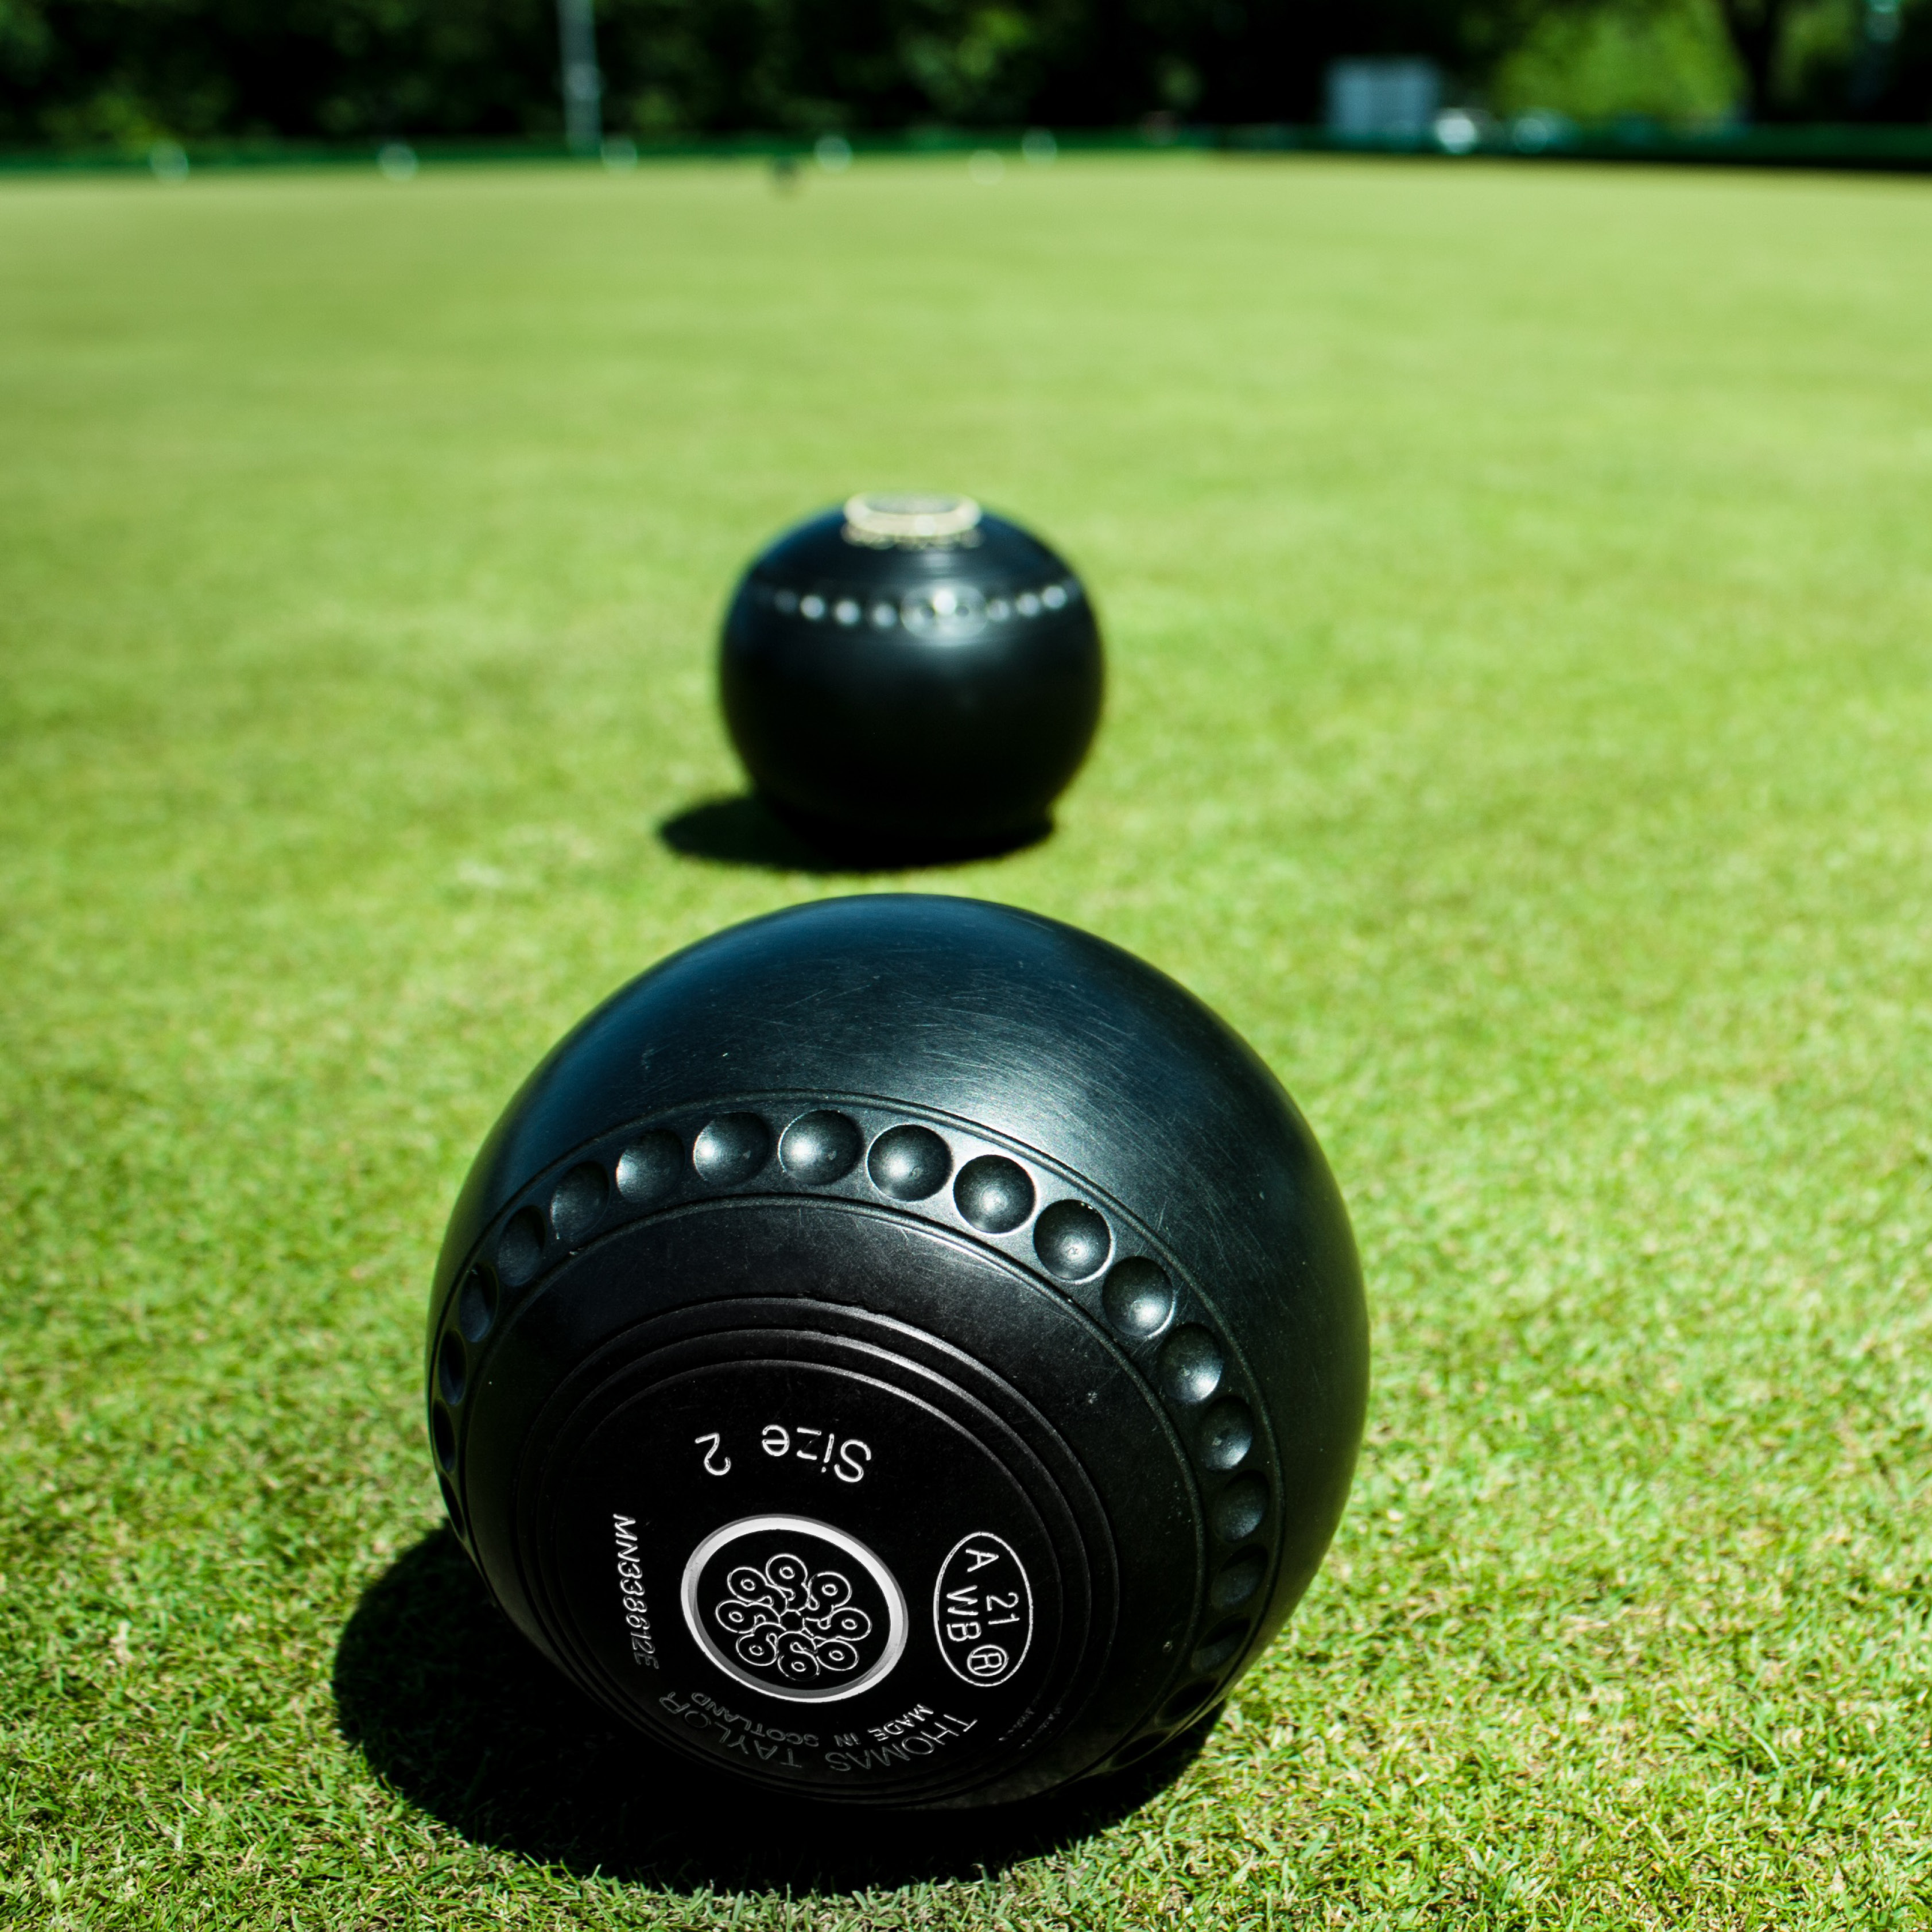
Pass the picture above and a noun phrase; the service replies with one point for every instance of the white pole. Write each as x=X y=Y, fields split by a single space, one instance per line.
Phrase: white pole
x=583 y=85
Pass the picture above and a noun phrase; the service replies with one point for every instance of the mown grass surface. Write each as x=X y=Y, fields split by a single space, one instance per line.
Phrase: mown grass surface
x=1520 y=590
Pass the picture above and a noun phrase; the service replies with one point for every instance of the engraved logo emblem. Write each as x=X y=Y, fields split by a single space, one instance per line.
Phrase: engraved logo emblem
x=793 y=1608
x=784 y=1618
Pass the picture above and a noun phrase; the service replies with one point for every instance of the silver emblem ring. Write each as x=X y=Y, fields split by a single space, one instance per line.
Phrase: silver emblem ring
x=793 y=1614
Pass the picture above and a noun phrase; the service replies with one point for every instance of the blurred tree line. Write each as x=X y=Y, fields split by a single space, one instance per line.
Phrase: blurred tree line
x=80 y=71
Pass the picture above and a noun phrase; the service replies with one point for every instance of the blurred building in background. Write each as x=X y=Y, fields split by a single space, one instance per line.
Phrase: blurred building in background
x=1382 y=100
x=76 y=72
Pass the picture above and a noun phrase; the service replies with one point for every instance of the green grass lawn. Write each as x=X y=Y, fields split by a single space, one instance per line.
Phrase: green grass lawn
x=1519 y=587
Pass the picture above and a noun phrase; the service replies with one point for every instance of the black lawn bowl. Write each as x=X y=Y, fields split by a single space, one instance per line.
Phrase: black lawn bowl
x=900 y=1350
x=911 y=676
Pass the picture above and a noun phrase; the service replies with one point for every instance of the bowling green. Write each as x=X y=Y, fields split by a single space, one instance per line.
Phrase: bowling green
x=1518 y=583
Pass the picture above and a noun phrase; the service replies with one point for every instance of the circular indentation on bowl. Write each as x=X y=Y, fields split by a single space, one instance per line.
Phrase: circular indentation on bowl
x=1240 y=1508
x=952 y=612
x=452 y=1369
x=647 y=1170
x=1141 y=1748
x=731 y=1149
x=1190 y=1366
x=1235 y=1582
x=443 y=1432
x=1183 y=1704
x=476 y=1304
x=820 y=1147
x=1138 y=1297
x=1221 y=1645
x=520 y=1247
x=449 y=1503
x=909 y=1163
x=1227 y=1434
x=577 y=1205
x=994 y=1194
x=1072 y=1240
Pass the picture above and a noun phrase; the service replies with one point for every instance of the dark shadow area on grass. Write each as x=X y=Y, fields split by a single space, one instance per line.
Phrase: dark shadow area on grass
x=746 y=831
x=455 y=1711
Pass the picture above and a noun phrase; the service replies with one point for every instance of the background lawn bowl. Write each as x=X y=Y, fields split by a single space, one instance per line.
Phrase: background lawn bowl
x=1519 y=588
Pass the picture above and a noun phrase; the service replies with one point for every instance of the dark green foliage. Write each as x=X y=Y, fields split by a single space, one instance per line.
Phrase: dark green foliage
x=1886 y=74
x=130 y=69
x=1811 y=60
x=1832 y=60
x=82 y=71
x=108 y=69
x=1756 y=28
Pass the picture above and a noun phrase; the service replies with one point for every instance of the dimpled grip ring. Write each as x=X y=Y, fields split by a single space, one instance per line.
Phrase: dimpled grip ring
x=901 y=1350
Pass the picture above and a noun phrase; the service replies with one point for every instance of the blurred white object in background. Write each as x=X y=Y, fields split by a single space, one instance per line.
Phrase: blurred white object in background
x=1530 y=133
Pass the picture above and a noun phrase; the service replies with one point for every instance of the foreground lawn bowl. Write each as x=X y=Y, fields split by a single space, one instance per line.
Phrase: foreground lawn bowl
x=901 y=1348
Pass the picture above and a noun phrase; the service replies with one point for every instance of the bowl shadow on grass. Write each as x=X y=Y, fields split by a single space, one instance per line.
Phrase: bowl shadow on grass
x=746 y=831
x=458 y=1715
